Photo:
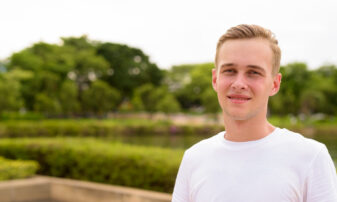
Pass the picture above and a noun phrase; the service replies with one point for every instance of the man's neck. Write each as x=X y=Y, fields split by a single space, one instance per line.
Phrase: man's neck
x=247 y=130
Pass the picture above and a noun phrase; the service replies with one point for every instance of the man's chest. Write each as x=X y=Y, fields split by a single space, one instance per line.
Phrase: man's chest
x=236 y=180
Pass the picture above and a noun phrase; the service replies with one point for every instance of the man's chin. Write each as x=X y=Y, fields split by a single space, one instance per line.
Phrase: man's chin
x=237 y=116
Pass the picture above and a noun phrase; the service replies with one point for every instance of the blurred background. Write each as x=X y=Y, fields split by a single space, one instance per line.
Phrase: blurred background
x=115 y=91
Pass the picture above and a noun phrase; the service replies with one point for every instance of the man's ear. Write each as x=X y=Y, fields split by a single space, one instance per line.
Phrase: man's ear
x=214 y=79
x=276 y=84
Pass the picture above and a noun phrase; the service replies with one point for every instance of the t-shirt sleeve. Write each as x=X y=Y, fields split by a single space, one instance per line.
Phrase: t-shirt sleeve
x=322 y=179
x=181 y=187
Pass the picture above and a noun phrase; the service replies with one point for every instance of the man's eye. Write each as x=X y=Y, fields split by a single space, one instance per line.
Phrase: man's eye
x=228 y=71
x=254 y=72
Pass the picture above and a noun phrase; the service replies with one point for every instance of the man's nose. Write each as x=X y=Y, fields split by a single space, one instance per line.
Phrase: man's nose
x=239 y=82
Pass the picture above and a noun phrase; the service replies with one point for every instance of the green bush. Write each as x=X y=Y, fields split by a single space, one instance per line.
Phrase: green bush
x=21 y=116
x=100 y=161
x=14 y=169
x=99 y=128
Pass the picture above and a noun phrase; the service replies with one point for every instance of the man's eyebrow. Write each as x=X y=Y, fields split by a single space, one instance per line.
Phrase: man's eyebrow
x=227 y=65
x=256 y=67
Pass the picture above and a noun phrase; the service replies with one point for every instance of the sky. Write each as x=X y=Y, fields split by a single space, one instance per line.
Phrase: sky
x=173 y=32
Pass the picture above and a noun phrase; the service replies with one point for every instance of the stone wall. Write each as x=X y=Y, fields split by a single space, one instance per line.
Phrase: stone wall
x=50 y=189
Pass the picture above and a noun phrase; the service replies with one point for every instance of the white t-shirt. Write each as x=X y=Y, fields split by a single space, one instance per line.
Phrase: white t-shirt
x=281 y=167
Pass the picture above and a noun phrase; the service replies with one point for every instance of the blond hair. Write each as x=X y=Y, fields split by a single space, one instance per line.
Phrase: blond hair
x=245 y=31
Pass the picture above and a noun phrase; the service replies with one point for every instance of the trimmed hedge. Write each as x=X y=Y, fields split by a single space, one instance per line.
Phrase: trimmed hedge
x=95 y=160
x=15 y=169
x=131 y=127
x=99 y=128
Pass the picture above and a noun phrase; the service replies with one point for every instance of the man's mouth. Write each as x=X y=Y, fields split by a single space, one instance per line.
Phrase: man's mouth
x=238 y=98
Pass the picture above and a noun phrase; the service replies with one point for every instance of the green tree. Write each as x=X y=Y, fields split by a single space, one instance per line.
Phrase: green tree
x=142 y=99
x=191 y=84
x=209 y=100
x=46 y=105
x=79 y=43
x=44 y=82
x=324 y=82
x=168 y=104
x=137 y=103
x=100 y=98
x=151 y=99
x=178 y=76
x=50 y=64
x=129 y=67
x=295 y=79
x=88 y=66
x=68 y=97
x=25 y=60
x=311 y=101
x=44 y=57
x=11 y=99
x=164 y=101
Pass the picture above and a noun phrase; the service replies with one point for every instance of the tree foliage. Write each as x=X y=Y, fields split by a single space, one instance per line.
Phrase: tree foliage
x=129 y=67
x=11 y=99
x=151 y=99
x=68 y=97
x=306 y=91
x=80 y=76
x=189 y=82
x=100 y=98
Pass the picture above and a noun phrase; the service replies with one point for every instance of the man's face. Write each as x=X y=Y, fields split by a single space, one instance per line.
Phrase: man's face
x=243 y=79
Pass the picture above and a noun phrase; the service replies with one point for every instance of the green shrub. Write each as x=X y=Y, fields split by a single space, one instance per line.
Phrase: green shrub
x=14 y=169
x=99 y=128
x=21 y=116
x=95 y=160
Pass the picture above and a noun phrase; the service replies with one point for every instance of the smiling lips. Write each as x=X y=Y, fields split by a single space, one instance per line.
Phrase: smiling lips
x=238 y=99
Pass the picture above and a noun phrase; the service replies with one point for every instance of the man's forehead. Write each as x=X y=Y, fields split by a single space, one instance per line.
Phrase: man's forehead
x=253 y=53
x=250 y=44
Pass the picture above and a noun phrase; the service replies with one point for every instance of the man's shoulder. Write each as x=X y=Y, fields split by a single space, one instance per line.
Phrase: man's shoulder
x=284 y=141
x=206 y=145
x=296 y=141
x=297 y=138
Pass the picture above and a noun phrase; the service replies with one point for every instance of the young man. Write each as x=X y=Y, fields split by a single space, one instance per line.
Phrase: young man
x=253 y=161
